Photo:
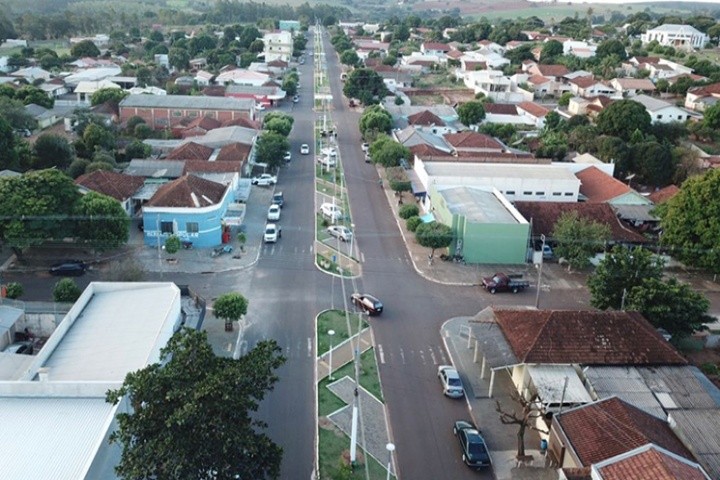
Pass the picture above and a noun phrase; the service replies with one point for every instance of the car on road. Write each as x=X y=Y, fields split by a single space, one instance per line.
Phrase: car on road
x=278 y=199
x=264 y=180
x=273 y=232
x=369 y=304
x=273 y=212
x=68 y=268
x=331 y=211
x=365 y=147
x=501 y=282
x=21 y=348
x=338 y=231
x=474 y=449
x=287 y=157
x=368 y=158
x=296 y=99
x=304 y=149
x=451 y=383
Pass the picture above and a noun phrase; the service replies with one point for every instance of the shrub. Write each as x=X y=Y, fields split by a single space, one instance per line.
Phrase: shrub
x=14 y=290
x=409 y=210
x=413 y=222
x=66 y=290
x=710 y=369
x=172 y=244
x=77 y=167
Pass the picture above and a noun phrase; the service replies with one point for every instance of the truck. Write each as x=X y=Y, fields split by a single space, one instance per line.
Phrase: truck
x=501 y=282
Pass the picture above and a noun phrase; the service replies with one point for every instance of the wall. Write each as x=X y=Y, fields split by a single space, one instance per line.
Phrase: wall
x=495 y=243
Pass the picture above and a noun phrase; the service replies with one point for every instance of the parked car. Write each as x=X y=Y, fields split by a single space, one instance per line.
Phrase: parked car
x=331 y=211
x=68 y=268
x=259 y=107
x=287 y=157
x=273 y=213
x=369 y=304
x=338 y=231
x=296 y=99
x=368 y=158
x=272 y=233
x=547 y=252
x=264 y=180
x=21 y=348
x=451 y=383
x=278 y=199
x=365 y=147
x=304 y=149
x=474 y=449
x=501 y=282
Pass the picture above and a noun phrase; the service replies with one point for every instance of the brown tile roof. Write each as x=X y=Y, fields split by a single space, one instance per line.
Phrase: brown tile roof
x=544 y=215
x=455 y=54
x=470 y=140
x=538 y=80
x=423 y=150
x=188 y=191
x=242 y=122
x=501 y=108
x=610 y=427
x=636 y=84
x=116 y=185
x=193 y=166
x=437 y=46
x=471 y=65
x=214 y=91
x=599 y=187
x=426 y=117
x=552 y=70
x=664 y=194
x=651 y=60
x=234 y=152
x=602 y=101
x=206 y=123
x=713 y=88
x=277 y=63
x=533 y=109
x=577 y=473
x=651 y=464
x=585 y=337
x=584 y=82
x=190 y=151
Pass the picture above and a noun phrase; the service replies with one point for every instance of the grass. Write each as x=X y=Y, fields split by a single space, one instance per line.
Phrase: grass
x=333 y=267
x=335 y=320
x=333 y=444
x=369 y=380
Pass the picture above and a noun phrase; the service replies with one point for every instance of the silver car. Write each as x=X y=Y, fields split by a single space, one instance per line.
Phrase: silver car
x=338 y=231
x=451 y=382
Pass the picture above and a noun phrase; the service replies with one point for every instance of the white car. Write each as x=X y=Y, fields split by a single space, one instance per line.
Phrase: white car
x=287 y=157
x=272 y=233
x=259 y=107
x=304 y=149
x=451 y=383
x=331 y=211
x=365 y=147
x=273 y=213
x=338 y=231
x=264 y=180
x=296 y=99
x=328 y=162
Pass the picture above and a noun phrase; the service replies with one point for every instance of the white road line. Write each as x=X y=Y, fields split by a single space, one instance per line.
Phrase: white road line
x=422 y=356
x=309 y=346
x=432 y=355
x=362 y=257
x=402 y=355
x=381 y=354
x=312 y=246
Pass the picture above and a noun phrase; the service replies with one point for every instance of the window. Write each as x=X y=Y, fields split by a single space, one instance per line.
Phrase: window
x=540 y=194
x=166 y=227
x=510 y=192
x=527 y=193
x=659 y=117
x=192 y=227
x=557 y=194
x=192 y=113
x=568 y=194
x=177 y=113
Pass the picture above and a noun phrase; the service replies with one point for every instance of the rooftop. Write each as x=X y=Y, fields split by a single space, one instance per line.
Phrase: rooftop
x=491 y=170
x=476 y=205
x=599 y=187
x=470 y=140
x=187 y=101
x=188 y=191
x=116 y=185
x=190 y=151
x=649 y=462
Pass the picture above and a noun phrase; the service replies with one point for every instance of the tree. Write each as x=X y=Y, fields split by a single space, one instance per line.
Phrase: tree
x=97 y=136
x=689 y=222
x=14 y=112
x=137 y=149
x=290 y=86
x=373 y=121
x=30 y=94
x=399 y=181
x=278 y=122
x=471 y=113
x=564 y=99
x=172 y=244
x=388 y=152
x=618 y=273
x=50 y=150
x=578 y=238
x=612 y=46
x=622 y=118
x=66 y=291
x=350 y=58
x=654 y=163
x=77 y=167
x=192 y=413
x=434 y=235
x=531 y=411
x=670 y=305
x=550 y=51
x=178 y=58
x=112 y=95
x=8 y=155
x=102 y=222
x=86 y=48
x=271 y=148
x=711 y=116
x=14 y=290
x=230 y=307
x=365 y=85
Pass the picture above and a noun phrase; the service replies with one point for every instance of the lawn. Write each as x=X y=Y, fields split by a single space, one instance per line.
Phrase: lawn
x=335 y=320
x=333 y=446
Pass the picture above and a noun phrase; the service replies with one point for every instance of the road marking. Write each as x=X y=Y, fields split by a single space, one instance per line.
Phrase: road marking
x=422 y=356
x=402 y=355
x=432 y=355
x=312 y=246
x=309 y=347
x=381 y=354
x=362 y=257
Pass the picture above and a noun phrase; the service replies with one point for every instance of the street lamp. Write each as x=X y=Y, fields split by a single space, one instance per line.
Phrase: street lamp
x=542 y=260
x=330 y=370
x=390 y=448
x=352 y=238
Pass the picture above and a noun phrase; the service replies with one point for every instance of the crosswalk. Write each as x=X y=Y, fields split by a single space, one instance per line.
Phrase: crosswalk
x=291 y=348
x=403 y=355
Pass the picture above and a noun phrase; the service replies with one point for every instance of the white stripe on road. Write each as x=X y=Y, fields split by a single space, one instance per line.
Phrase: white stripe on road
x=362 y=257
x=309 y=347
x=432 y=355
x=402 y=355
x=422 y=356
x=381 y=354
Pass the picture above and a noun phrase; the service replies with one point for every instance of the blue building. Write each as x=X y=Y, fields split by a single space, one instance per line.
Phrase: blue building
x=190 y=207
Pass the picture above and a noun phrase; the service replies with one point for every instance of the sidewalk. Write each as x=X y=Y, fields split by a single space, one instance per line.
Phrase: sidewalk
x=343 y=353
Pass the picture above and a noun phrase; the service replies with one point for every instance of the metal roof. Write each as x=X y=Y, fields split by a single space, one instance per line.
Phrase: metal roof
x=700 y=431
x=476 y=205
x=627 y=384
x=549 y=381
x=639 y=213
x=488 y=170
x=155 y=168
x=187 y=102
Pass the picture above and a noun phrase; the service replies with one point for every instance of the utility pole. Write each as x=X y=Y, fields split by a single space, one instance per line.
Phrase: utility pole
x=542 y=252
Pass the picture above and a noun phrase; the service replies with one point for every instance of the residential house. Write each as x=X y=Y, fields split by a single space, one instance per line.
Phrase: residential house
x=661 y=111
x=91 y=75
x=664 y=194
x=428 y=121
x=163 y=111
x=656 y=67
x=394 y=77
x=32 y=73
x=191 y=151
x=553 y=72
x=630 y=87
x=197 y=64
x=89 y=62
x=599 y=187
x=541 y=86
x=44 y=117
x=163 y=60
x=411 y=136
x=100 y=40
x=147 y=90
x=491 y=58
x=495 y=85
x=587 y=106
x=473 y=142
x=241 y=76
x=276 y=67
x=85 y=89
x=421 y=59
x=579 y=49
x=203 y=78
x=589 y=87
x=506 y=113
x=469 y=64
x=264 y=95
x=435 y=49
x=365 y=46
x=119 y=186
x=278 y=46
x=534 y=112
x=684 y=37
x=193 y=127
x=401 y=113
x=699 y=98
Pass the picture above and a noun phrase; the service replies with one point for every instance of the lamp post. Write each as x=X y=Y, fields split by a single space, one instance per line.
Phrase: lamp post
x=330 y=370
x=352 y=238
x=542 y=260
x=390 y=448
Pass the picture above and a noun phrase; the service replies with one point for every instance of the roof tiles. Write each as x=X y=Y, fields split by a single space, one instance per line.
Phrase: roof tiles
x=471 y=140
x=599 y=187
x=115 y=185
x=190 y=151
x=188 y=191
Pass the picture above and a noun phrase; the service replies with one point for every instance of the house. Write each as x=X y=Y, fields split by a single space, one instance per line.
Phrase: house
x=587 y=106
x=534 y=112
x=435 y=48
x=685 y=37
x=119 y=186
x=191 y=208
x=401 y=113
x=191 y=151
x=495 y=85
x=85 y=89
x=197 y=63
x=365 y=46
x=100 y=40
x=663 y=195
x=506 y=113
x=196 y=127
x=630 y=87
x=541 y=86
x=264 y=95
x=278 y=46
x=32 y=73
x=147 y=90
x=422 y=59
x=661 y=111
x=203 y=78
x=241 y=76
x=164 y=111
x=589 y=87
x=411 y=136
x=474 y=142
x=428 y=121
x=599 y=187
x=579 y=49
x=699 y=98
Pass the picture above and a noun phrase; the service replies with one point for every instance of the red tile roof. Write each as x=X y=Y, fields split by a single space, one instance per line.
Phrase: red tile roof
x=552 y=70
x=651 y=464
x=437 y=46
x=214 y=91
x=643 y=84
x=533 y=109
x=599 y=187
x=455 y=54
x=585 y=337
x=471 y=65
x=538 y=80
x=197 y=166
x=664 y=194
x=116 y=185
x=206 y=123
x=544 y=215
x=610 y=427
x=651 y=60
x=501 y=108
x=577 y=473
x=426 y=117
x=712 y=89
x=188 y=191
x=472 y=140
x=234 y=152
x=423 y=150
x=190 y=151
x=584 y=82
x=242 y=122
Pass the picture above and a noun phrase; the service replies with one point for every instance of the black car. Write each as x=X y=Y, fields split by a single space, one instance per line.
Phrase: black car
x=368 y=303
x=70 y=268
x=475 y=452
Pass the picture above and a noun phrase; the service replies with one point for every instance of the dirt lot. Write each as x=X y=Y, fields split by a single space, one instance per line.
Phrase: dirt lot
x=472 y=8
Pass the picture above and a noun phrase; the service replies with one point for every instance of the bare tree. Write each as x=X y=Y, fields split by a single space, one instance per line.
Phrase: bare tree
x=524 y=420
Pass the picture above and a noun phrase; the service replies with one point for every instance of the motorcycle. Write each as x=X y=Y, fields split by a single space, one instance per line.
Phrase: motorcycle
x=220 y=250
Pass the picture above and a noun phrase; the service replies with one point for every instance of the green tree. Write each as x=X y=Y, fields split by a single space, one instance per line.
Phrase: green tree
x=97 y=136
x=30 y=94
x=137 y=149
x=8 y=155
x=86 y=48
x=577 y=238
x=14 y=112
x=564 y=99
x=98 y=165
x=271 y=148
x=388 y=152
x=622 y=118
x=230 y=307
x=112 y=95
x=278 y=122
x=290 y=86
x=179 y=58
x=612 y=46
x=77 y=167
x=172 y=244
x=14 y=290
x=654 y=163
x=365 y=85
x=471 y=113
x=101 y=223
x=399 y=181
x=192 y=413
x=711 y=116
x=690 y=223
x=671 y=305
x=373 y=121
x=349 y=57
x=66 y=291
x=50 y=150
x=550 y=51
x=618 y=273
x=434 y=235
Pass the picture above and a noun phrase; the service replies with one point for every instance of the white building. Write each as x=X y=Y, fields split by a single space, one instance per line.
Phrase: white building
x=494 y=84
x=678 y=36
x=278 y=46
x=661 y=111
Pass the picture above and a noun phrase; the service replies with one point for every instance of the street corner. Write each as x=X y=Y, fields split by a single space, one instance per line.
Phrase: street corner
x=507 y=466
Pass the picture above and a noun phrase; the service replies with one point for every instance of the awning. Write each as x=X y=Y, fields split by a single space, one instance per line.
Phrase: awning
x=418 y=190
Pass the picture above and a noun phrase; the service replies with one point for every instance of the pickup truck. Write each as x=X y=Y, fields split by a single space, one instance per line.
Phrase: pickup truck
x=501 y=282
